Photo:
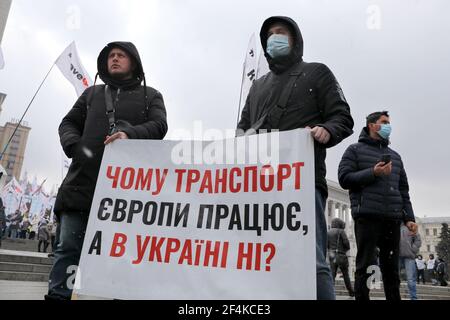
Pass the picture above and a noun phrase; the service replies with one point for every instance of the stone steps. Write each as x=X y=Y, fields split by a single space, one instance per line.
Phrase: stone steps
x=12 y=257
x=21 y=245
x=424 y=292
x=23 y=276
x=24 y=266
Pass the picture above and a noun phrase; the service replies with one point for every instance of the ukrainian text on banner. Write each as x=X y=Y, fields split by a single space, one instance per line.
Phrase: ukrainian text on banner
x=162 y=228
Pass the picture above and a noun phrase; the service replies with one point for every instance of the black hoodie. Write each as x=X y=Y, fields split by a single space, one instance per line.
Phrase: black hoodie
x=102 y=65
x=337 y=238
x=84 y=129
x=281 y=64
x=374 y=197
x=315 y=100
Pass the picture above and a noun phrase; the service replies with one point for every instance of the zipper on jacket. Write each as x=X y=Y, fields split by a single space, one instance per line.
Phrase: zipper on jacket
x=385 y=179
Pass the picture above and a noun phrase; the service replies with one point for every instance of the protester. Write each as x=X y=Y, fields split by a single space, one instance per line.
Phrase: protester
x=24 y=226
x=296 y=94
x=409 y=247
x=43 y=235
x=431 y=263
x=120 y=109
x=52 y=229
x=441 y=272
x=14 y=227
x=2 y=221
x=34 y=226
x=338 y=245
x=420 y=263
x=379 y=194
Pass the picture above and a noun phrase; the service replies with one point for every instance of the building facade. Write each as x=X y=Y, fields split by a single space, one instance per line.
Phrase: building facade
x=430 y=230
x=338 y=206
x=12 y=160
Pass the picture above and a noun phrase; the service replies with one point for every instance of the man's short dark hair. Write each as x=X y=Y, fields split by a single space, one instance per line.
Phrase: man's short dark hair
x=375 y=116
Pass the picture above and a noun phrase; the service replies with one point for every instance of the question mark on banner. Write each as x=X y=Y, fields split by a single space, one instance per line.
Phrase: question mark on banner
x=269 y=247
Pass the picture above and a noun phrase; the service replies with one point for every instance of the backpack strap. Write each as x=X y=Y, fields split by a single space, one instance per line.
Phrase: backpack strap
x=111 y=108
x=277 y=111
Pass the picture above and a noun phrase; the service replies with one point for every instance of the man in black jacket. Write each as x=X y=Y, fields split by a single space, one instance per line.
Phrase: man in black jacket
x=296 y=94
x=379 y=194
x=338 y=245
x=120 y=109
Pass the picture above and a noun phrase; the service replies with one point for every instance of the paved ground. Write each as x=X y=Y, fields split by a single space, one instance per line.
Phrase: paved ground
x=22 y=290
x=25 y=290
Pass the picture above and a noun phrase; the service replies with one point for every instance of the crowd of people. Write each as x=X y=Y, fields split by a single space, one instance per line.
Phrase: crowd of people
x=20 y=226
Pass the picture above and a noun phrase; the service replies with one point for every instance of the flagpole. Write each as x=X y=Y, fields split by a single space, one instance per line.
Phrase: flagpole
x=240 y=95
x=23 y=116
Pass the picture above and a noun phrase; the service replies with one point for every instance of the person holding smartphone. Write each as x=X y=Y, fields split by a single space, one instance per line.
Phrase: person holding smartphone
x=379 y=193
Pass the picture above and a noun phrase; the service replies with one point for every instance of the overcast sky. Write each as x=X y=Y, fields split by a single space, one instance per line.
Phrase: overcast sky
x=392 y=55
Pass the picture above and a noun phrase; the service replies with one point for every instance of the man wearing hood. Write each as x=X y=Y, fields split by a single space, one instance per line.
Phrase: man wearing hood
x=338 y=245
x=296 y=94
x=379 y=195
x=120 y=109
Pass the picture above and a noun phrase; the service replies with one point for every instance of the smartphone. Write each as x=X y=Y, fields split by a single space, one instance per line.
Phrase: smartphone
x=386 y=158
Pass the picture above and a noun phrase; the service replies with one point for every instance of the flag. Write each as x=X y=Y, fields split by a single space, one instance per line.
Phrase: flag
x=34 y=185
x=13 y=186
x=263 y=65
x=71 y=67
x=249 y=70
x=2 y=60
x=66 y=164
x=40 y=189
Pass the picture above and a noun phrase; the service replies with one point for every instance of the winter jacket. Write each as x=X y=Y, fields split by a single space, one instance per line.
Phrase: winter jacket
x=431 y=263
x=409 y=243
x=84 y=129
x=43 y=233
x=337 y=238
x=441 y=268
x=2 y=218
x=316 y=99
x=420 y=263
x=385 y=197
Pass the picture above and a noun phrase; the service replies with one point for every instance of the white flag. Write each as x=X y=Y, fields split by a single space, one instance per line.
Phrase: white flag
x=70 y=65
x=2 y=61
x=263 y=65
x=249 y=70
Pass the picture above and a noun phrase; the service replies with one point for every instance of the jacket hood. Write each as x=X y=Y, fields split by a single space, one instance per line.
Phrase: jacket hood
x=365 y=137
x=337 y=223
x=281 y=64
x=102 y=65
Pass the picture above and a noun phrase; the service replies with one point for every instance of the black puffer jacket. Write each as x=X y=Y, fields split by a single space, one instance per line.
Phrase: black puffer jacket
x=337 y=238
x=371 y=196
x=315 y=100
x=84 y=129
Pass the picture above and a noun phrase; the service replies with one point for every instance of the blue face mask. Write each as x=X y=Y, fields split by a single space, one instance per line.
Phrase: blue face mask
x=385 y=131
x=278 y=46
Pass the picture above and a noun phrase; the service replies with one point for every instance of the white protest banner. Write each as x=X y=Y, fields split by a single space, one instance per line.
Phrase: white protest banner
x=214 y=222
x=71 y=67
